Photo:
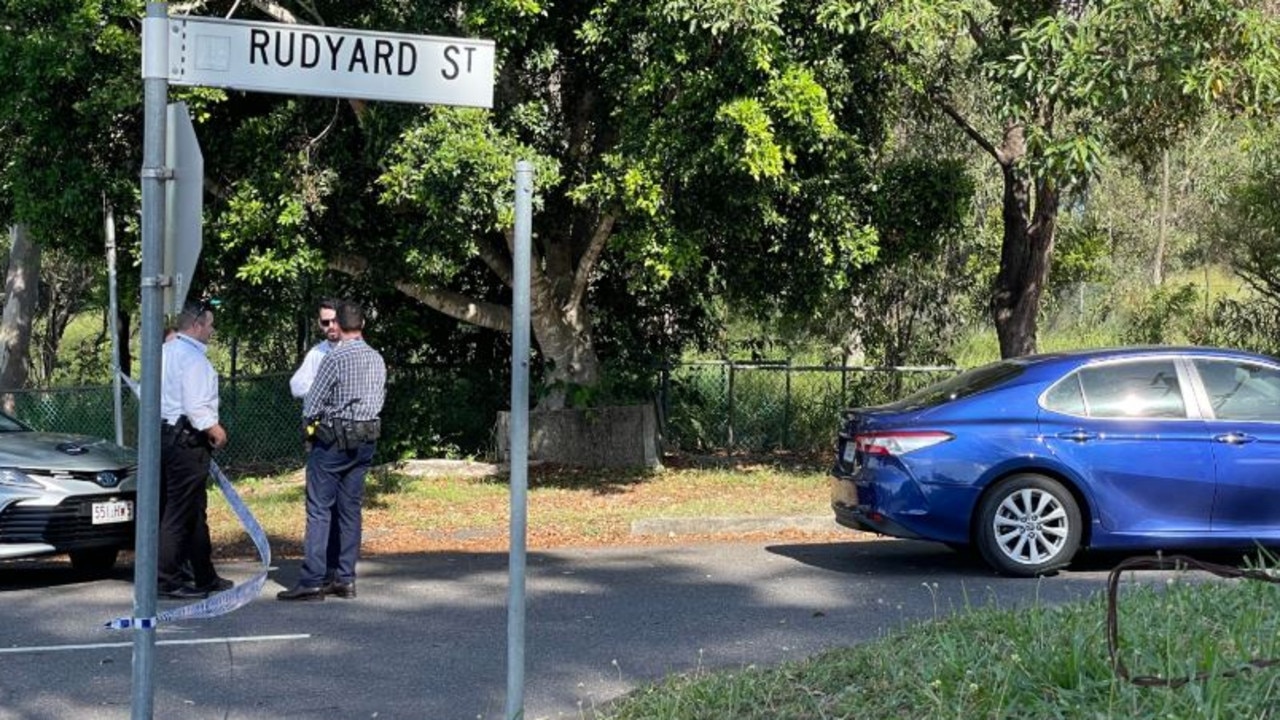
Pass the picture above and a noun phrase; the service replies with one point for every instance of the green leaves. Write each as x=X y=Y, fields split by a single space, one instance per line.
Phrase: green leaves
x=750 y=139
x=453 y=172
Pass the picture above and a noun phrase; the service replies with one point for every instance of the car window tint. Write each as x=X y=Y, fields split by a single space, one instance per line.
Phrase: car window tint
x=1142 y=389
x=970 y=382
x=1066 y=397
x=8 y=424
x=1241 y=391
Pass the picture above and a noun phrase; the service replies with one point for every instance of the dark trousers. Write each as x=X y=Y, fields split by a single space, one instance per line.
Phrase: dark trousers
x=184 y=525
x=335 y=494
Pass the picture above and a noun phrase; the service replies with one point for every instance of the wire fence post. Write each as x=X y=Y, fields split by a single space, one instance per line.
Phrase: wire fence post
x=729 y=413
x=786 y=407
x=844 y=380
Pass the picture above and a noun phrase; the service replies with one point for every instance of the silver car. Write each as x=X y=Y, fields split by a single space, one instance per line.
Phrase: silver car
x=60 y=493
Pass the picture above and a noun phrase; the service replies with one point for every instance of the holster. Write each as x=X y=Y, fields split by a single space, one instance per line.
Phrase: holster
x=348 y=434
x=184 y=435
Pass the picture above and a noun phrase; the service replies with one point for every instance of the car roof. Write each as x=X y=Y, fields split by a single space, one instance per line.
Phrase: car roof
x=1089 y=355
x=1045 y=365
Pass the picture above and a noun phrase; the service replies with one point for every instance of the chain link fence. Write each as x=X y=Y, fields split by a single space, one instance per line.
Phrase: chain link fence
x=447 y=411
x=774 y=406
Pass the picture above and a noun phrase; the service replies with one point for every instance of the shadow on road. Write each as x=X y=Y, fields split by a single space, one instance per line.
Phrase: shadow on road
x=889 y=557
x=49 y=572
x=886 y=557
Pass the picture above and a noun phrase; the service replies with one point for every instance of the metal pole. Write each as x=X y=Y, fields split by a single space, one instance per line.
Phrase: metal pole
x=113 y=307
x=155 y=78
x=786 y=410
x=730 y=409
x=519 y=438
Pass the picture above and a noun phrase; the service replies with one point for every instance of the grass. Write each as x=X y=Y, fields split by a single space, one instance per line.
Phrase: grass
x=1039 y=662
x=566 y=506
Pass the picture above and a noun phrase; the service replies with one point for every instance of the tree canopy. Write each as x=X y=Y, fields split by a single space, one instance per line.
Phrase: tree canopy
x=1047 y=88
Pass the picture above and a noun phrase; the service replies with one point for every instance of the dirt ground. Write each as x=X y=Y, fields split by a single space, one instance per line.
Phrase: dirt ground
x=569 y=508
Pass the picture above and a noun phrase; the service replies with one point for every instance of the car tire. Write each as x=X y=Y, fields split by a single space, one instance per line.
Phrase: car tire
x=1028 y=525
x=94 y=561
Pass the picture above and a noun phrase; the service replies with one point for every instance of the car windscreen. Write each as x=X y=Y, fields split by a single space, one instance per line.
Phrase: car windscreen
x=970 y=382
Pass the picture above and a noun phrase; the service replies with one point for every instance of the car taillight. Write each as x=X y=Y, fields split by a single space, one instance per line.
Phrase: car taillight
x=899 y=442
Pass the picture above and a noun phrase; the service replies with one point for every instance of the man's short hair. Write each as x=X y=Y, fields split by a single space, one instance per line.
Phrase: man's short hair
x=192 y=311
x=350 y=316
x=327 y=304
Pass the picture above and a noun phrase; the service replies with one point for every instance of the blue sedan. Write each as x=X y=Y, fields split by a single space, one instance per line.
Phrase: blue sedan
x=1029 y=460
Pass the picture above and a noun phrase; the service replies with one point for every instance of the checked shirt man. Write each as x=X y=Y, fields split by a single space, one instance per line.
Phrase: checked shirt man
x=344 y=402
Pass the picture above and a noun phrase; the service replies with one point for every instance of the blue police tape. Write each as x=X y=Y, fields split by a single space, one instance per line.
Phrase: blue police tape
x=227 y=600
x=126 y=623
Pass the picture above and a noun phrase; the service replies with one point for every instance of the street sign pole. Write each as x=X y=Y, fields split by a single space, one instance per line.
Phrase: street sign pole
x=521 y=252
x=155 y=78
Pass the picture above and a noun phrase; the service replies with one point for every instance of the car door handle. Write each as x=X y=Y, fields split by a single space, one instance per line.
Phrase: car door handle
x=1235 y=438
x=1078 y=435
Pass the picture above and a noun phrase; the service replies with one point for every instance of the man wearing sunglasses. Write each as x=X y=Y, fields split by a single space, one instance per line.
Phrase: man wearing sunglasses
x=300 y=384
x=301 y=381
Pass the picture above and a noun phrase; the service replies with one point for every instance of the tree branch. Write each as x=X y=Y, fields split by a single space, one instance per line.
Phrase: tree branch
x=498 y=261
x=940 y=100
x=275 y=10
x=460 y=307
x=604 y=230
x=976 y=32
x=455 y=305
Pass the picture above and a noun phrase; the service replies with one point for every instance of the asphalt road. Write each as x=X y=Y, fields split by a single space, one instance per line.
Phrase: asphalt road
x=427 y=637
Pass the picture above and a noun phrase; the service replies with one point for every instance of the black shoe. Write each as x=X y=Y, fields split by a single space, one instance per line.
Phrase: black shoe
x=346 y=591
x=217 y=585
x=301 y=592
x=181 y=592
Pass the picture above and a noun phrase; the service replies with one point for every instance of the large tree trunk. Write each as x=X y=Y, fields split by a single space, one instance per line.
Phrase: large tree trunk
x=20 y=294
x=564 y=337
x=1026 y=248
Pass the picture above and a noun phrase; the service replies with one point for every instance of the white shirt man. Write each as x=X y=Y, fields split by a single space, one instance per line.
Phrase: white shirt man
x=189 y=408
x=301 y=381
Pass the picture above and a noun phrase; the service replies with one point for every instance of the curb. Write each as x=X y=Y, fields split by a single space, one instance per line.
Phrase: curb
x=709 y=525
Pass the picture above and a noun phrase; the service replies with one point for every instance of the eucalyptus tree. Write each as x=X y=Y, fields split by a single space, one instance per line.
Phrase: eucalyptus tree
x=703 y=146
x=1045 y=88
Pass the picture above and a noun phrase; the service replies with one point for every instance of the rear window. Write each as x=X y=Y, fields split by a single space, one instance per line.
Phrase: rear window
x=1129 y=389
x=970 y=382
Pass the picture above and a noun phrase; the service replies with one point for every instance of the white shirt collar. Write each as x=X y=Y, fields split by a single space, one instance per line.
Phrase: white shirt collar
x=198 y=345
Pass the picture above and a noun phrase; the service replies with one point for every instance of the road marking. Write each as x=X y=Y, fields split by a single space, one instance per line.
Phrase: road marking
x=200 y=641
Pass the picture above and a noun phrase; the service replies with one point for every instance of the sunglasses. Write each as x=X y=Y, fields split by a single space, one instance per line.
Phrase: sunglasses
x=198 y=308
x=326 y=322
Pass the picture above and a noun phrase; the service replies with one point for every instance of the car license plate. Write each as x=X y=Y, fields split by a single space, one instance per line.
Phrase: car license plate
x=116 y=511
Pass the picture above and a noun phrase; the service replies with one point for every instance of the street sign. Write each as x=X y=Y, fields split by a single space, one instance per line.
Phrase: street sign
x=317 y=60
x=184 y=205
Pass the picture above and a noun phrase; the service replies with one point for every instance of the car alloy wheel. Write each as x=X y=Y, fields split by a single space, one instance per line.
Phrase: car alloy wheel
x=1028 y=525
